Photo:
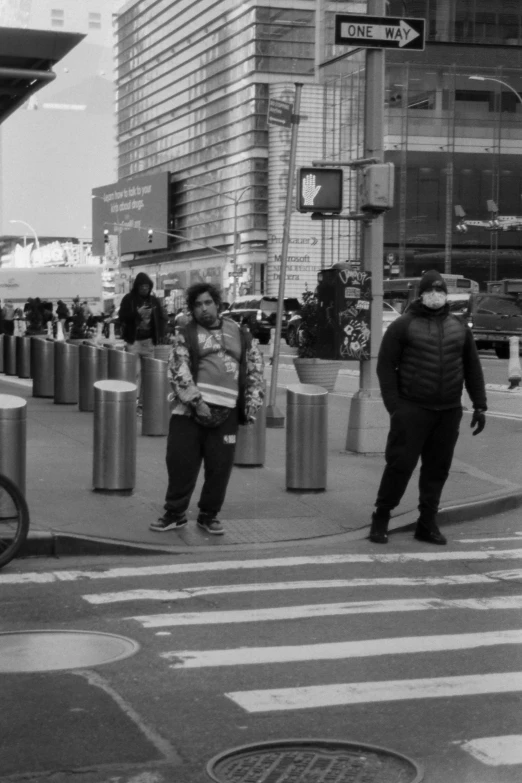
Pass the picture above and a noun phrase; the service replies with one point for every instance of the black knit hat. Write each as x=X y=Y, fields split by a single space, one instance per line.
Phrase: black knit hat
x=429 y=278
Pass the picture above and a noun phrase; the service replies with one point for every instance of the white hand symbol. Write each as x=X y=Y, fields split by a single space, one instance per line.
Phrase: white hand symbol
x=310 y=190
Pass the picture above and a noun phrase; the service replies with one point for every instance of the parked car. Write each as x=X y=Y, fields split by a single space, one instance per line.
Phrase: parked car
x=493 y=319
x=389 y=314
x=259 y=313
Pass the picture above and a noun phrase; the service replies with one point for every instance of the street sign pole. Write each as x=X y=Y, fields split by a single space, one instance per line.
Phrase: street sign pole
x=275 y=417
x=368 y=422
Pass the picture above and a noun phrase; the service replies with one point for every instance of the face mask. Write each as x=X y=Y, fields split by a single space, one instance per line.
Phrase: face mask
x=434 y=299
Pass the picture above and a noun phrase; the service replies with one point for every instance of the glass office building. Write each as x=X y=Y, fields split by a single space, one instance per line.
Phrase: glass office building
x=194 y=81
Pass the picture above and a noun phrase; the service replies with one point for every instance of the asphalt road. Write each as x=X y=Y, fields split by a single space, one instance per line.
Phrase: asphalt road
x=410 y=647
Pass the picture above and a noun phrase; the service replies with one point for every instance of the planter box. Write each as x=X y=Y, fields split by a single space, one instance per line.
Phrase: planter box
x=321 y=372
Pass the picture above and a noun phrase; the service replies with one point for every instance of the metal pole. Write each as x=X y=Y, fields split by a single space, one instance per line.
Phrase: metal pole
x=234 y=257
x=368 y=422
x=274 y=417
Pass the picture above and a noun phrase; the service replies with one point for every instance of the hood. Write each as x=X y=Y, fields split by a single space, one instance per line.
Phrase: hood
x=141 y=279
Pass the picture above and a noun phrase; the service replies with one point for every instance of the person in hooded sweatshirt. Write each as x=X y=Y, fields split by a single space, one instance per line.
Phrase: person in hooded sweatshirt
x=426 y=358
x=142 y=322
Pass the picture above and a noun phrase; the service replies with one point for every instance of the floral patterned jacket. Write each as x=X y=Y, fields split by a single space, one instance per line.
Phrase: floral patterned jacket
x=182 y=371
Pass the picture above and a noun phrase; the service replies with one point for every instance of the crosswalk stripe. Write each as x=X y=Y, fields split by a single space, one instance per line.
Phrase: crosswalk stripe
x=489 y=539
x=276 y=562
x=318 y=584
x=195 y=659
x=340 y=694
x=495 y=751
x=325 y=610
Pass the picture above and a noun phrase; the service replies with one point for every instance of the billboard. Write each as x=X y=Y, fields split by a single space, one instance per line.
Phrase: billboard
x=128 y=209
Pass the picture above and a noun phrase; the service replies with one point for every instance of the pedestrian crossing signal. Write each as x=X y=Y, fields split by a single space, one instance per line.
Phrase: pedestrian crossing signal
x=319 y=190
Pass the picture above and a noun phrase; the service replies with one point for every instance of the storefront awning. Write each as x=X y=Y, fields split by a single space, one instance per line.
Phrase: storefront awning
x=26 y=61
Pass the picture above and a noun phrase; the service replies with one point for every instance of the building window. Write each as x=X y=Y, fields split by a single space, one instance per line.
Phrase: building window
x=57 y=17
x=95 y=21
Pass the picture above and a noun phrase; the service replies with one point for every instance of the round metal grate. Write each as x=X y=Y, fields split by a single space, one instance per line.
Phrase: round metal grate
x=312 y=761
x=44 y=651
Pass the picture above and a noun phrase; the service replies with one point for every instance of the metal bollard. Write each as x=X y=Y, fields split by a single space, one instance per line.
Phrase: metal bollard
x=9 y=354
x=1 y=352
x=114 y=452
x=514 y=369
x=122 y=366
x=23 y=357
x=251 y=441
x=87 y=376
x=103 y=364
x=156 y=410
x=42 y=366
x=13 y=439
x=162 y=352
x=66 y=373
x=306 y=437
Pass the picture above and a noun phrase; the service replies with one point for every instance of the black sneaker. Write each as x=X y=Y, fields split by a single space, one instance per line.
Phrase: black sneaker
x=168 y=522
x=211 y=525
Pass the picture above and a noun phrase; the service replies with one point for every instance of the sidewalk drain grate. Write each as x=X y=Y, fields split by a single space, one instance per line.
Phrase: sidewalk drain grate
x=45 y=651
x=316 y=761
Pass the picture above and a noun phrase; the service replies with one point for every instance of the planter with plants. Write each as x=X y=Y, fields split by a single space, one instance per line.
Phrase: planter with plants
x=309 y=366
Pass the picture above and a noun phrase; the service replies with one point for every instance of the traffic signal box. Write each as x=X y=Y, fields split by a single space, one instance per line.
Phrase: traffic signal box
x=319 y=189
x=376 y=187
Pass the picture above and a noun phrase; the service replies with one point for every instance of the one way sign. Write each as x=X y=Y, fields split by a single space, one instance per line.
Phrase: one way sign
x=379 y=32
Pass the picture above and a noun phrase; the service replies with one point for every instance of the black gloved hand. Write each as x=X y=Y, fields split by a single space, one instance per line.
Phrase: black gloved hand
x=478 y=419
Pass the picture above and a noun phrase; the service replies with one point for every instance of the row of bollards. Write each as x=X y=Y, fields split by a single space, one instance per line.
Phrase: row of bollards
x=102 y=380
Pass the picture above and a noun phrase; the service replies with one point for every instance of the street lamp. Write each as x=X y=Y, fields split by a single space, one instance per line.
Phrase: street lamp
x=31 y=229
x=235 y=200
x=494 y=79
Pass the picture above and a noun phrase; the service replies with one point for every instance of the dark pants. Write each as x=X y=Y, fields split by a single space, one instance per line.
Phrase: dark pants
x=188 y=445
x=417 y=432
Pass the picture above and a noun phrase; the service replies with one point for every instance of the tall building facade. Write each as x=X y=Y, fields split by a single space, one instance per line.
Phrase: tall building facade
x=62 y=143
x=194 y=83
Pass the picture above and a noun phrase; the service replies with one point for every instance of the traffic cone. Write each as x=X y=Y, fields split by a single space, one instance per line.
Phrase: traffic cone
x=514 y=369
x=50 y=334
x=60 y=337
x=99 y=333
x=112 y=336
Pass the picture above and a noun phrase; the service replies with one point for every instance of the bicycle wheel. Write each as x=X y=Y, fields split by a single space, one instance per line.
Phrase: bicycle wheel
x=14 y=520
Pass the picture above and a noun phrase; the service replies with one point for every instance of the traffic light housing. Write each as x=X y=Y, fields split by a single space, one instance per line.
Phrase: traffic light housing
x=106 y=236
x=376 y=189
x=319 y=189
x=150 y=234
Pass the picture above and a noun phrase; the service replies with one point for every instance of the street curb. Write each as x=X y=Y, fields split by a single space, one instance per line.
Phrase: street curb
x=56 y=544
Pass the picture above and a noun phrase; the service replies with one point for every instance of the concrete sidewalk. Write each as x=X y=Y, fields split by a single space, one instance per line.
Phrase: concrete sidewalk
x=67 y=517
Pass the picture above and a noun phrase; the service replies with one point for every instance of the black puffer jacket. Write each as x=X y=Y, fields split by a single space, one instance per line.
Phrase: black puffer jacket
x=427 y=357
x=129 y=317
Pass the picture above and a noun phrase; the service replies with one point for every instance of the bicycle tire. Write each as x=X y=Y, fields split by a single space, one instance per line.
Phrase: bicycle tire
x=13 y=529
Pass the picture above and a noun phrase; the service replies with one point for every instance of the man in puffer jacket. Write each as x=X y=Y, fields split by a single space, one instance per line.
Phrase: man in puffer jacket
x=426 y=358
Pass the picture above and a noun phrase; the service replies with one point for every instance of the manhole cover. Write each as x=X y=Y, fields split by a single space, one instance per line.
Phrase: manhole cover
x=45 y=651
x=312 y=761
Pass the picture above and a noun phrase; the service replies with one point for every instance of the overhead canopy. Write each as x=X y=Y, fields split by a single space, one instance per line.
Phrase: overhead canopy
x=26 y=61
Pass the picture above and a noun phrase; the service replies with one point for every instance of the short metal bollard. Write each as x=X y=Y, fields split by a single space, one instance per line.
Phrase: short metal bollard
x=156 y=410
x=114 y=452
x=42 y=366
x=122 y=366
x=23 y=357
x=9 y=354
x=66 y=373
x=251 y=441
x=306 y=437
x=89 y=373
x=13 y=440
x=103 y=364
